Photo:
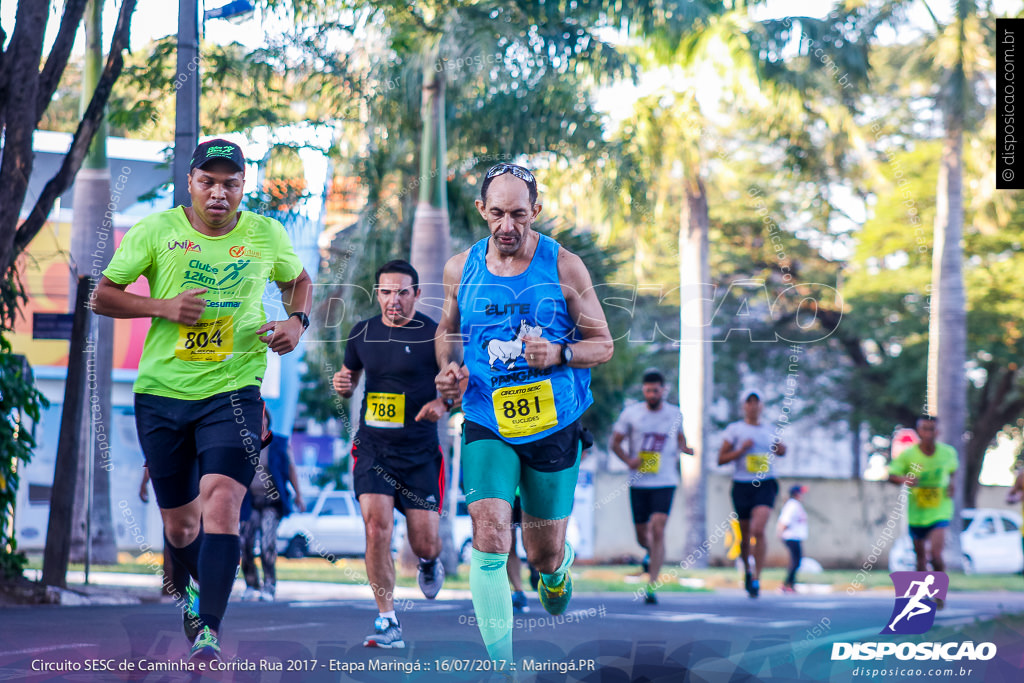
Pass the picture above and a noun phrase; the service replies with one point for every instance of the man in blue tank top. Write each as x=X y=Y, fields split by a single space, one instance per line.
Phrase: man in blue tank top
x=521 y=313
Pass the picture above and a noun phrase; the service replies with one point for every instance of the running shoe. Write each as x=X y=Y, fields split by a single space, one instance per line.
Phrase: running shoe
x=748 y=583
x=206 y=647
x=555 y=599
x=788 y=589
x=387 y=633
x=250 y=594
x=430 y=577
x=190 y=613
x=266 y=595
x=519 y=605
x=649 y=597
x=755 y=588
x=646 y=563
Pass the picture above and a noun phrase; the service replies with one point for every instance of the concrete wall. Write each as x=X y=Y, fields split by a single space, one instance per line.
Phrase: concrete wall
x=846 y=517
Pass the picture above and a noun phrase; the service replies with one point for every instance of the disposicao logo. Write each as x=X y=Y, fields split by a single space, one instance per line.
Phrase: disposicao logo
x=917 y=594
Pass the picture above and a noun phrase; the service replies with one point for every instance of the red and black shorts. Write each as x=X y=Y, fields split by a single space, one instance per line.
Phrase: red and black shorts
x=415 y=478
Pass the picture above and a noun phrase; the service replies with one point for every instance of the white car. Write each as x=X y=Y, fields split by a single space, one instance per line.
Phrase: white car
x=333 y=527
x=990 y=541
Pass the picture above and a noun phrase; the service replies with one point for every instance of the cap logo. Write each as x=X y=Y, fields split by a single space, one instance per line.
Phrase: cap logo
x=222 y=151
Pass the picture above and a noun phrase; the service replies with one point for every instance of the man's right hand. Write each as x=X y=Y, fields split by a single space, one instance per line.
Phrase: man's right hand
x=342 y=382
x=186 y=308
x=449 y=379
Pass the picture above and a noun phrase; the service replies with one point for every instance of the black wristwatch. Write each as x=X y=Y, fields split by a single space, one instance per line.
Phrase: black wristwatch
x=302 y=318
x=566 y=354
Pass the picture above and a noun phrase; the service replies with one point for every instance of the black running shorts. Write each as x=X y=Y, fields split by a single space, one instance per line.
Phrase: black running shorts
x=183 y=440
x=416 y=483
x=647 y=501
x=747 y=495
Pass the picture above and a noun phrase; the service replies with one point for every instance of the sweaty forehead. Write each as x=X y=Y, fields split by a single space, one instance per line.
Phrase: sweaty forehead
x=218 y=171
x=508 y=193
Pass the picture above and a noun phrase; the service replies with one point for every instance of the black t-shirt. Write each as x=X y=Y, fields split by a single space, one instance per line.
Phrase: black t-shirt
x=400 y=368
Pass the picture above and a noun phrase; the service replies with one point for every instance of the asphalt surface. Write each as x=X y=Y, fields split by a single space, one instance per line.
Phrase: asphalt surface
x=610 y=637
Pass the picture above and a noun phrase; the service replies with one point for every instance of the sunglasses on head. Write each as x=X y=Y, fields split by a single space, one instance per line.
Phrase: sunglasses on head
x=517 y=171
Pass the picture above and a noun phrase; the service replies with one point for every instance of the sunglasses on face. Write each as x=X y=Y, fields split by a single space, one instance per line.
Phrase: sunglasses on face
x=517 y=171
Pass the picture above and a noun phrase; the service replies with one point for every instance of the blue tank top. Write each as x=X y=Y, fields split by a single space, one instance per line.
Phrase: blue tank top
x=519 y=403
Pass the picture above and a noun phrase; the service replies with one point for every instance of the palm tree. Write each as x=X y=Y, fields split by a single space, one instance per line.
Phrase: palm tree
x=687 y=35
x=947 y=334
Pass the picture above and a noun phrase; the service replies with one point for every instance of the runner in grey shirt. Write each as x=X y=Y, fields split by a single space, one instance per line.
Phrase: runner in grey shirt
x=653 y=436
x=749 y=444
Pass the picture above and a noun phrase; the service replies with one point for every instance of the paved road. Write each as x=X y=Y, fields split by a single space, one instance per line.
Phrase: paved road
x=722 y=636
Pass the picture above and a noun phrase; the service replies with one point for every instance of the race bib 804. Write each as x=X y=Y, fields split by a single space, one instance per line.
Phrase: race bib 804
x=207 y=340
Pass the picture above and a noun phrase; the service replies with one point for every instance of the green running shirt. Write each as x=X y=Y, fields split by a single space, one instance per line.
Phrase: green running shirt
x=928 y=502
x=221 y=352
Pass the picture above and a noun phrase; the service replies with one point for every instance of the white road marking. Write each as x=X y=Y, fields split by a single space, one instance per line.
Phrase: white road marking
x=48 y=648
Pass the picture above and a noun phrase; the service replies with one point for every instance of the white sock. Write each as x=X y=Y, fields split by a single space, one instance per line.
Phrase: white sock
x=390 y=615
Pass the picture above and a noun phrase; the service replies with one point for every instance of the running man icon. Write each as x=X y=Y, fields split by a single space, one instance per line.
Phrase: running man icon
x=918 y=594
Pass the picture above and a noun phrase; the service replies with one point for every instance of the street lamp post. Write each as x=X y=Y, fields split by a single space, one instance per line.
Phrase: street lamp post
x=186 y=84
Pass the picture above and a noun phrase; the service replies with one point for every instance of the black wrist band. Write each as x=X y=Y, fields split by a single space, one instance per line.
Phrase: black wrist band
x=302 y=318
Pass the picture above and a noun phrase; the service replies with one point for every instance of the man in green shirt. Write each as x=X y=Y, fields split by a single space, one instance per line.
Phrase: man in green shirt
x=926 y=467
x=198 y=408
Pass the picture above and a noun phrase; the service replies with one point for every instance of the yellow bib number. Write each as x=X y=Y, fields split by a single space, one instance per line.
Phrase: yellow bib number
x=757 y=462
x=650 y=462
x=386 y=411
x=525 y=410
x=927 y=497
x=207 y=340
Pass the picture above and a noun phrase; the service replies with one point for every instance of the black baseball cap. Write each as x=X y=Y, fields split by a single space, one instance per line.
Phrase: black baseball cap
x=217 y=149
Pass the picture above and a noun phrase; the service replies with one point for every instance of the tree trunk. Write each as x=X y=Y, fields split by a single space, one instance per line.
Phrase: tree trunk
x=62 y=494
x=695 y=361
x=856 y=466
x=947 y=343
x=431 y=247
x=1001 y=402
x=92 y=245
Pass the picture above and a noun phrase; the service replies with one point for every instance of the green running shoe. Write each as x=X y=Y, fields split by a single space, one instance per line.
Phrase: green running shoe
x=190 y=612
x=206 y=648
x=555 y=600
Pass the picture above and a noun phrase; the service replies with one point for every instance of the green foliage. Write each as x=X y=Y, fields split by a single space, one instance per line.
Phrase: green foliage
x=19 y=399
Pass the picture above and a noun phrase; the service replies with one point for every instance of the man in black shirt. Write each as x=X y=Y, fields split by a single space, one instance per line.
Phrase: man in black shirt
x=398 y=462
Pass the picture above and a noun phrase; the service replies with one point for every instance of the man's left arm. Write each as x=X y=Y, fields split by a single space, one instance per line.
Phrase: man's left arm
x=951 y=489
x=297 y=297
x=595 y=346
x=683 y=448
x=293 y=477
